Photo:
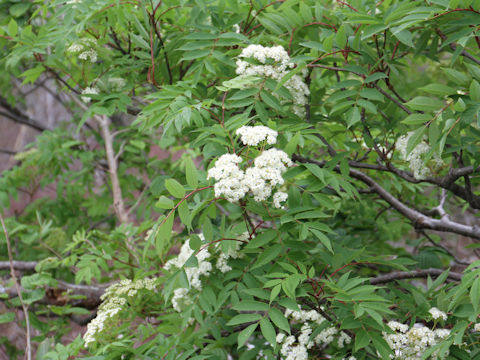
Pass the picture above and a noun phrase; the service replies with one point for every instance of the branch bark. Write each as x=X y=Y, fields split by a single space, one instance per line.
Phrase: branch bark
x=453 y=46
x=18 y=265
x=402 y=275
x=118 y=202
x=65 y=293
x=16 y=115
x=419 y=220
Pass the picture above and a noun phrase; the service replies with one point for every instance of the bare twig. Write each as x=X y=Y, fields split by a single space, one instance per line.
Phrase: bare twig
x=86 y=296
x=458 y=261
x=18 y=265
x=397 y=102
x=387 y=95
x=401 y=275
x=28 y=350
x=446 y=182
x=440 y=208
x=453 y=46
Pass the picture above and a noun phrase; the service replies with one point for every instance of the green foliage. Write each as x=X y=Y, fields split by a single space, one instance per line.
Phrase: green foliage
x=165 y=74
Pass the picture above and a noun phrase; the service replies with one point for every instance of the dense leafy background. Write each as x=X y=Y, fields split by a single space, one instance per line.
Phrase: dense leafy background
x=357 y=218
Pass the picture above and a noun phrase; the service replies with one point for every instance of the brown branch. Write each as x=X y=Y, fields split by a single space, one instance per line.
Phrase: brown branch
x=446 y=182
x=458 y=261
x=18 y=265
x=16 y=115
x=387 y=95
x=86 y=296
x=419 y=220
x=118 y=203
x=453 y=46
x=8 y=152
x=391 y=98
x=402 y=275
x=165 y=55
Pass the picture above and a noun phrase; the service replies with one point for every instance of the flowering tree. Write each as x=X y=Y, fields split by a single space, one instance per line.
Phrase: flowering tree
x=315 y=196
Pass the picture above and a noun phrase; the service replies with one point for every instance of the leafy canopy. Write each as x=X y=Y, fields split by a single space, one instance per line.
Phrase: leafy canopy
x=375 y=107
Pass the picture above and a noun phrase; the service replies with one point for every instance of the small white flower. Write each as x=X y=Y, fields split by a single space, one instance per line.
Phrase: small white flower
x=114 y=302
x=254 y=135
x=279 y=197
x=236 y=27
x=86 y=49
x=416 y=163
x=117 y=83
x=180 y=299
x=412 y=343
x=89 y=91
x=75 y=47
x=89 y=54
x=275 y=64
x=343 y=339
x=193 y=273
x=436 y=314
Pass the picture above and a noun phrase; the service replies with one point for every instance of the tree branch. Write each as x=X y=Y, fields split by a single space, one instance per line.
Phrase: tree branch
x=446 y=182
x=397 y=102
x=401 y=275
x=18 y=265
x=8 y=152
x=17 y=116
x=419 y=220
x=458 y=261
x=65 y=293
x=118 y=203
x=453 y=46
x=387 y=95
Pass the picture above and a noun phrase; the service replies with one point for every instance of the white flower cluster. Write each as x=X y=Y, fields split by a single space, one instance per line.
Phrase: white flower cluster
x=275 y=63
x=258 y=180
x=229 y=177
x=222 y=263
x=85 y=49
x=114 y=300
x=89 y=91
x=476 y=327
x=117 y=83
x=193 y=273
x=181 y=296
x=437 y=314
x=416 y=163
x=296 y=348
x=254 y=135
x=412 y=344
x=278 y=198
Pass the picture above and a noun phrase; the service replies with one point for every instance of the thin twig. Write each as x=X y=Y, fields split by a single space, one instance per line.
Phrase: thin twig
x=458 y=261
x=28 y=350
x=402 y=275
